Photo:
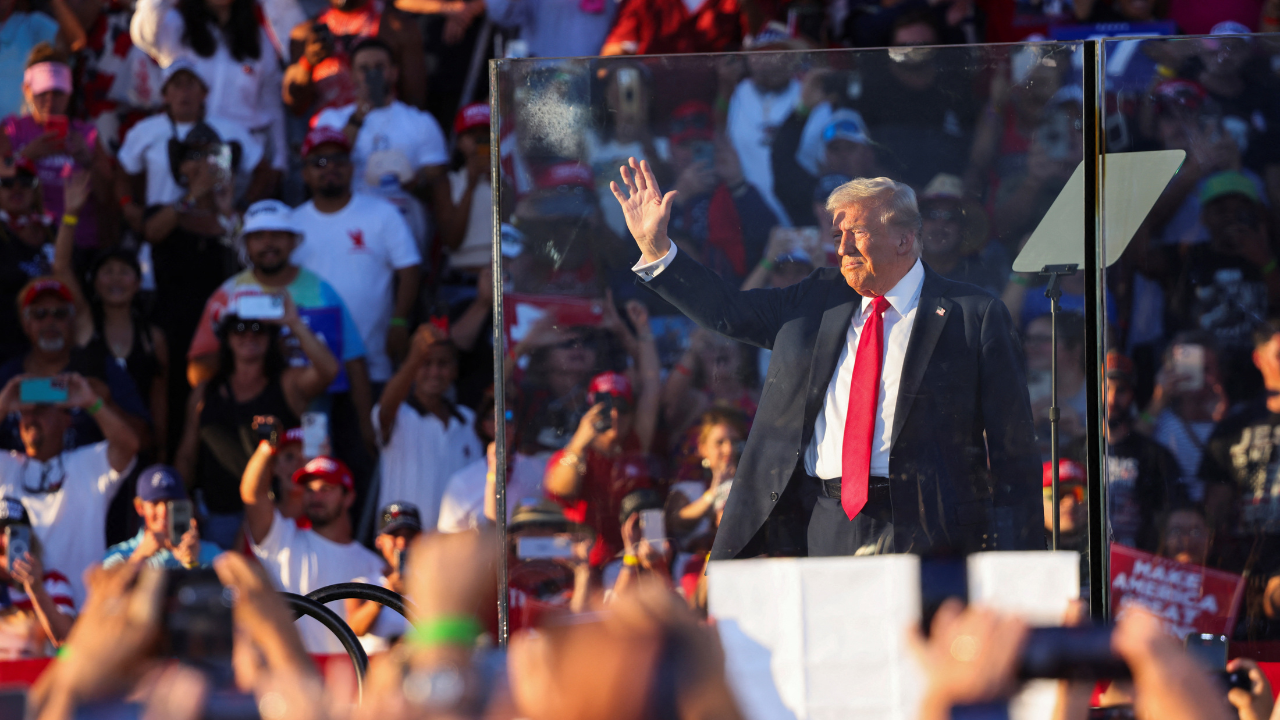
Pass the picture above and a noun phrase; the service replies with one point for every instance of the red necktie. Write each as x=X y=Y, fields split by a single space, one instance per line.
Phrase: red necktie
x=864 y=407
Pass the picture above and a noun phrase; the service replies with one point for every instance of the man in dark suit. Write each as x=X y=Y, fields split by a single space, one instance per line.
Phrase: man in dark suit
x=894 y=416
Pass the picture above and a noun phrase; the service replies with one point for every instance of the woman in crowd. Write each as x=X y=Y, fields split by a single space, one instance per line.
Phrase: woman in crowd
x=56 y=145
x=560 y=364
x=252 y=380
x=231 y=50
x=713 y=372
x=36 y=609
x=109 y=321
x=691 y=503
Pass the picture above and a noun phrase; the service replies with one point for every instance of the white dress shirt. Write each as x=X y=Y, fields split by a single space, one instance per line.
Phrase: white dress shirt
x=822 y=458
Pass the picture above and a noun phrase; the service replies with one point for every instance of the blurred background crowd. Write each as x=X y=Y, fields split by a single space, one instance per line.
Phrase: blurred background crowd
x=245 y=256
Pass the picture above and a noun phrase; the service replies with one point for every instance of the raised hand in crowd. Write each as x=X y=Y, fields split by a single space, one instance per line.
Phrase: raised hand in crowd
x=1167 y=682
x=970 y=657
x=1256 y=703
x=28 y=573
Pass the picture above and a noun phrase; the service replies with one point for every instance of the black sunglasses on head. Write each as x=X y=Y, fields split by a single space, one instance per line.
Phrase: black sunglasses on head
x=323 y=161
x=242 y=327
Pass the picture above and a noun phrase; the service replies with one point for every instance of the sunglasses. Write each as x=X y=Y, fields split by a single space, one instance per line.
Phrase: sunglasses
x=324 y=161
x=1066 y=491
x=22 y=181
x=58 y=313
x=256 y=328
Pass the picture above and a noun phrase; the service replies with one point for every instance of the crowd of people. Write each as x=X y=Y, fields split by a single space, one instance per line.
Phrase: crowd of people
x=247 y=254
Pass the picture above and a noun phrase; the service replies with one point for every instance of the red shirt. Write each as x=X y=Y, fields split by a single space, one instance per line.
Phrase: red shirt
x=607 y=480
x=666 y=26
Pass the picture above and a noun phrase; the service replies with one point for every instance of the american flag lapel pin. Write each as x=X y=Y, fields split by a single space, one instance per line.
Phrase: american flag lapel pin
x=941 y=312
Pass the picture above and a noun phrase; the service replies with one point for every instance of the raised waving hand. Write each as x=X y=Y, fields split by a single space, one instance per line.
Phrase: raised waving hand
x=646 y=209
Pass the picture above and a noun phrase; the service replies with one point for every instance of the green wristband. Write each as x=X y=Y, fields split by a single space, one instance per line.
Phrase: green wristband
x=455 y=630
x=95 y=407
x=399 y=322
x=63 y=652
x=1269 y=267
x=767 y=264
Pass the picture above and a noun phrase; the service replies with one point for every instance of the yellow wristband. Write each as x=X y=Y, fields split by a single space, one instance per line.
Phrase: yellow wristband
x=630 y=560
x=70 y=220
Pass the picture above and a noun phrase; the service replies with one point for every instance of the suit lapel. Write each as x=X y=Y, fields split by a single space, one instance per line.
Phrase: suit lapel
x=931 y=316
x=833 y=333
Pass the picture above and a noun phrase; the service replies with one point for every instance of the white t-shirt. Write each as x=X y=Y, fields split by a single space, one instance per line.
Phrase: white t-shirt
x=247 y=92
x=422 y=455
x=146 y=149
x=71 y=522
x=397 y=126
x=476 y=249
x=462 y=508
x=357 y=250
x=302 y=561
x=753 y=118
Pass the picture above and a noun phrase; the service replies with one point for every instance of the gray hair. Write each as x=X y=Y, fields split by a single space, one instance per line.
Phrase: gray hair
x=896 y=201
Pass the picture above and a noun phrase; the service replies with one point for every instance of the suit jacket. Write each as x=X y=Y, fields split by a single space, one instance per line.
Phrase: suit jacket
x=964 y=469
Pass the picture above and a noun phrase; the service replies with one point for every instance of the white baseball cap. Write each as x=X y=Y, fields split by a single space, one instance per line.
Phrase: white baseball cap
x=182 y=64
x=268 y=215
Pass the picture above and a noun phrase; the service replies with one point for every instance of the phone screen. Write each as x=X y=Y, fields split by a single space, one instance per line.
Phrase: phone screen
x=44 y=391
x=58 y=125
x=1188 y=363
x=260 y=307
x=315 y=435
x=653 y=526
x=1209 y=649
x=544 y=548
x=19 y=543
x=179 y=519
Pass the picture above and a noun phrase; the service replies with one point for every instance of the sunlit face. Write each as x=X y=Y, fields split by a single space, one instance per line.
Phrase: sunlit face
x=46 y=104
x=48 y=321
x=1072 y=512
x=873 y=256
x=572 y=355
x=717 y=446
x=184 y=95
x=623 y=416
x=248 y=340
x=41 y=428
x=327 y=170
x=269 y=250
x=155 y=517
x=438 y=371
x=372 y=60
x=324 y=502
x=1267 y=359
x=389 y=544
x=1186 y=537
x=940 y=230
x=116 y=283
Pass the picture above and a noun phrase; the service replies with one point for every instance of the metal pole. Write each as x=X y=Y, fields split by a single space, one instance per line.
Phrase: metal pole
x=473 y=76
x=499 y=354
x=1095 y=449
x=1054 y=412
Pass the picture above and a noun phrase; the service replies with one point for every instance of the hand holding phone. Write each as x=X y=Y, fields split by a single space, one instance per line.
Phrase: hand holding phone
x=43 y=391
x=58 y=125
x=180 y=513
x=18 y=544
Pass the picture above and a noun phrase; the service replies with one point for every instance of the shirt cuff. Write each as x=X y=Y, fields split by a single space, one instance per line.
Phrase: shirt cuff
x=649 y=271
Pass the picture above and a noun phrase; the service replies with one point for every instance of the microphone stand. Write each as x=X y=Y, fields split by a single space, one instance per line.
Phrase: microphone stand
x=1053 y=291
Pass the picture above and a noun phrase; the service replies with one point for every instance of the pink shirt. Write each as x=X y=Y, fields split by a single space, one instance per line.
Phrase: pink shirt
x=54 y=170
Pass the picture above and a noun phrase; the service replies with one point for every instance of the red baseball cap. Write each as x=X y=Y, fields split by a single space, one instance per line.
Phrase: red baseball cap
x=40 y=286
x=1069 y=471
x=330 y=470
x=472 y=116
x=567 y=173
x=609 y=383
x=292 y=435
x=691 y=121
x=323 y=136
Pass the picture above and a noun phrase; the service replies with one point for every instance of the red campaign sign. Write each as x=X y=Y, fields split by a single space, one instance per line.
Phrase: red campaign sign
x=521 y=312
x=1190 y=598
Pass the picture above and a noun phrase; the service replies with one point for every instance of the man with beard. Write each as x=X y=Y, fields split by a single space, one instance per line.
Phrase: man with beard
x=270 y=235
x=301 y=561
x=362 y=246
x=47 y=314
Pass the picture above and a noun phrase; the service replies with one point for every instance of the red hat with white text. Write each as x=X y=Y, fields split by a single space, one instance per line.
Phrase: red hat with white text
x=330 y=470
